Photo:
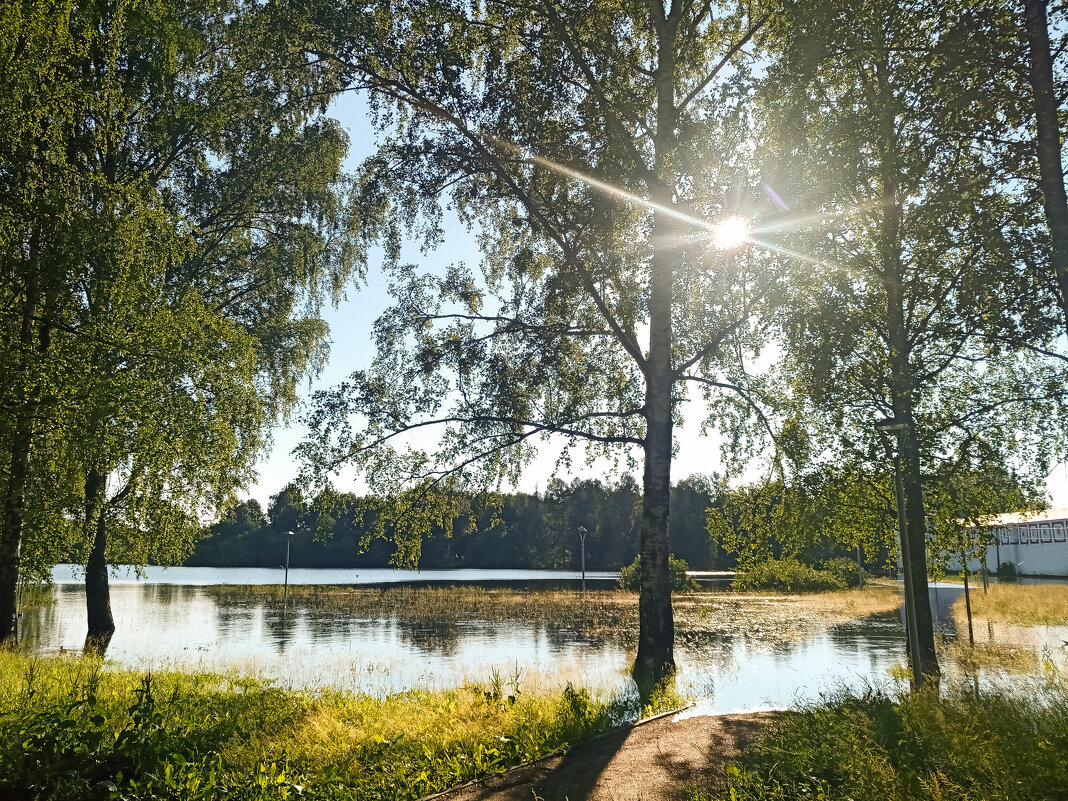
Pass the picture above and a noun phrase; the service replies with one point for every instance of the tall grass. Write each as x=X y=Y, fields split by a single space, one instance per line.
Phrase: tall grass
x=70 y=729
x=1021 y=604
x=1001 y=744
x=608 y=614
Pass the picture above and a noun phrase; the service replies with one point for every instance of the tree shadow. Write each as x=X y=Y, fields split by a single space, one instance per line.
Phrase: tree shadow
x=703 y=765
x=569 y=777
x=655 y=759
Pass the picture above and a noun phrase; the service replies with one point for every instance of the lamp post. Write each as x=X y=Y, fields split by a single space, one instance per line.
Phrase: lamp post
x=898 y=427
x=285 y=588
x=582 y=539
x=860 y=568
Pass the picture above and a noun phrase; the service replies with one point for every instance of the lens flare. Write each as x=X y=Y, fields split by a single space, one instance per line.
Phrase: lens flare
x=730 y=233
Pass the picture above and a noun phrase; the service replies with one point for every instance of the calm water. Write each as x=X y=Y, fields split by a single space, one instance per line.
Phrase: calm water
x=166 y=623
x=204 y=576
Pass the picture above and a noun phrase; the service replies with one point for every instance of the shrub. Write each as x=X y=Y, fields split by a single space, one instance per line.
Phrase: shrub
x=1007 y=571
x=630 y=576
x=844 y=569
x=788 y=575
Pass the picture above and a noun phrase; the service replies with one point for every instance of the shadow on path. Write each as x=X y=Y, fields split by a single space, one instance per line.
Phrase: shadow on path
x=655 y=761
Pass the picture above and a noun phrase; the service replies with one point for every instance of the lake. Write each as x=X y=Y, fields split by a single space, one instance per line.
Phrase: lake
x=205 y=576
x=175 y=617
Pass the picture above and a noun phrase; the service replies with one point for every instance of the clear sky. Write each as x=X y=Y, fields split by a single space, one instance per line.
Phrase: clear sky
x=352 y=349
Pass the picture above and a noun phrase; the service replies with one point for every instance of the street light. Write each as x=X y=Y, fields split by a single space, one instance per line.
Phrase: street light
x=582 y=539
x=285 y=589
x=898 y=427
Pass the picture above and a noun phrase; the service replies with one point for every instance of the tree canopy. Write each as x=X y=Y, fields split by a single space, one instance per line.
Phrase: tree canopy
x=919 y=274
x=204 y=224
x=586 y=147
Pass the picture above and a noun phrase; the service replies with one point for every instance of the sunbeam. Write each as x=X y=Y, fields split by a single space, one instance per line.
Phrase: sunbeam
x=808 y=220
x=596 y=184
x=728 y=233
x=792 y=253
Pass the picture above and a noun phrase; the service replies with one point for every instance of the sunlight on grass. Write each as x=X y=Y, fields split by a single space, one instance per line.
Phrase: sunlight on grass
x=75 y=730
x=1020 y=604
x=1008 y=741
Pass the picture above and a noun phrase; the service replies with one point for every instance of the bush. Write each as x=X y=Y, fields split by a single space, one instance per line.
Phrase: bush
x=630 y=576
x=844 y=569
x=788 y=575
x=1007 y=571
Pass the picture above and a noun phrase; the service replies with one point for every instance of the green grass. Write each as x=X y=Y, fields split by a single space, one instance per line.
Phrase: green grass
x=71 y=729
x=984 y=657
x=1005 y=744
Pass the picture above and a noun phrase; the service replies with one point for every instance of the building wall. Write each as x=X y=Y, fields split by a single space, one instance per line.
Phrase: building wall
x=1037 y=548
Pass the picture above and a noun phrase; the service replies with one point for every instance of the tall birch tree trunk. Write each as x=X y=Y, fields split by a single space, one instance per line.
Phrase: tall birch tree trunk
x=21 y=447
x=656 y=635
x=100 y=623
x=1048 y=141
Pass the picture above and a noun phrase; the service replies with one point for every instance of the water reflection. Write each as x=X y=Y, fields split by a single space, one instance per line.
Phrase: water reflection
x=97 y=645
x=300 y=645
x=281 y=626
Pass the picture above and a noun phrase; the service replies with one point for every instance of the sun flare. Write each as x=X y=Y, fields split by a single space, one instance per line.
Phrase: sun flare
x=730 y=233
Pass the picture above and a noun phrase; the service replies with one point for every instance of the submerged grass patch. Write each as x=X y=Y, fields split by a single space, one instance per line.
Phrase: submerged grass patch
x=70 y=729
x=35 y=596
x=1019 y=604
x=989 y=656
x=596 y=614
x=1001 y=744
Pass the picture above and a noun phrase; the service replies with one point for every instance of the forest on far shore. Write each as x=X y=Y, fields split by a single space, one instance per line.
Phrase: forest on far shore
x=713 y=527
x=521 y=530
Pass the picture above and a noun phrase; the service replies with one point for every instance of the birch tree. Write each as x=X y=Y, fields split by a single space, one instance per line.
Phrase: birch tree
x=591 y=146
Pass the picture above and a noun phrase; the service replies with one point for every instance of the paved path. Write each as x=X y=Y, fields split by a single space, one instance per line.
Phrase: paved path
x=655 y=761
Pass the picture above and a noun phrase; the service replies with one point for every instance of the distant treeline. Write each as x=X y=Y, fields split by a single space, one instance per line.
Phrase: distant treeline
x=520 y=530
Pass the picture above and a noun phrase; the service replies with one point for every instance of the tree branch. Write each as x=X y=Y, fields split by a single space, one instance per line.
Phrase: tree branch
x=731 y=52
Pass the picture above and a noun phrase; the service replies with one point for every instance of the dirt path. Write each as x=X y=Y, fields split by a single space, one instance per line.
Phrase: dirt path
x=655 y=761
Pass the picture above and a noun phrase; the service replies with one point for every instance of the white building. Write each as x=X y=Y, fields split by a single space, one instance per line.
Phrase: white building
x=1036 y=543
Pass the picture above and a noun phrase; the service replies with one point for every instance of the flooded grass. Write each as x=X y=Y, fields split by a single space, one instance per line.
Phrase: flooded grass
x=35 y=596
x=985 y=658
x=1019 y=604
x=1007 y=742
x=595 y=614
x=70 y=729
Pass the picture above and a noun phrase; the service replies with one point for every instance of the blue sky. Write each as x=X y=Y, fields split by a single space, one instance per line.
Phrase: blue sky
x=351 y=323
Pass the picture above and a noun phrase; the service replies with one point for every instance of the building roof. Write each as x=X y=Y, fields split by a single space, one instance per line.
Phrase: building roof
x=1015 y=518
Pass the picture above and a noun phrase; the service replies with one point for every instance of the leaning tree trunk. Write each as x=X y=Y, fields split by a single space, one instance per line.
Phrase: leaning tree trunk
x=902 y=385
x=1048 y=141
x=101 y=624
x=656 y=625
x=14 y=516
x=21 y=447
x=912 y=482
x=912 y=479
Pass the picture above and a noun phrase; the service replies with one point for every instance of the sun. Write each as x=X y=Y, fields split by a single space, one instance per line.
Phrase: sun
x=730 y=233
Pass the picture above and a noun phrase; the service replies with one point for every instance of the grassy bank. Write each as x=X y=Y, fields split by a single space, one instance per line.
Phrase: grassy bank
x=608 y=614
x=1001 y=745
x=1019 y=604
x=70 y=730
